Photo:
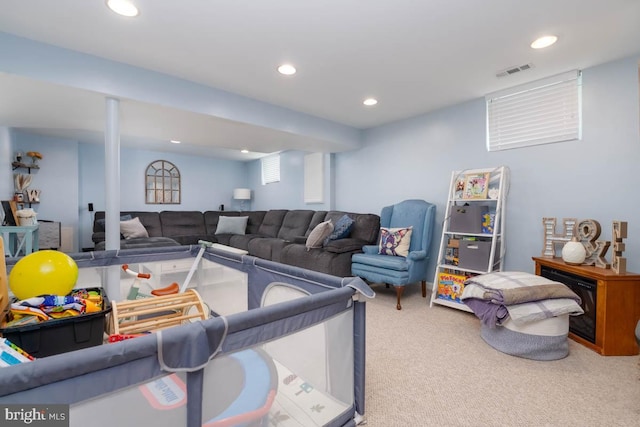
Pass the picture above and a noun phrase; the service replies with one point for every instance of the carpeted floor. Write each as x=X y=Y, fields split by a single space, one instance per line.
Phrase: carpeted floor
x=428 y=366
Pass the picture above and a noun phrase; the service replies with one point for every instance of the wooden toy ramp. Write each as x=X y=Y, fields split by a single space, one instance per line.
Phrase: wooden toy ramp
x=155 y=313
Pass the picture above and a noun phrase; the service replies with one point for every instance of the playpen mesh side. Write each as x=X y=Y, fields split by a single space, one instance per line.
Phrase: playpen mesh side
x=283 y=382
x=110 y=380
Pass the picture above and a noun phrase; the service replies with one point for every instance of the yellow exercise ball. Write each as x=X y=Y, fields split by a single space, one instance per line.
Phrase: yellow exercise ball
x=44 y=272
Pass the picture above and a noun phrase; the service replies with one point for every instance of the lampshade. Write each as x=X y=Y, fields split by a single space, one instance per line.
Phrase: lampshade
x=242 y=194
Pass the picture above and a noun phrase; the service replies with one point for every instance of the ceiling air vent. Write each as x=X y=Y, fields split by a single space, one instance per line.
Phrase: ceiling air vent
x=513 y=70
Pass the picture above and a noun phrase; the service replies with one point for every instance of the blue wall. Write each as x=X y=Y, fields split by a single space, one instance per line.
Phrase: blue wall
x=57 y=177
x=588 y=179
x=413 y=158
x=289 y=192
x=71 y=175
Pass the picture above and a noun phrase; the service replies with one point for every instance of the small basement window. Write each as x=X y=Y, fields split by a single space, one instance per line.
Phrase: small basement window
x=540 y=112
x=270 y=169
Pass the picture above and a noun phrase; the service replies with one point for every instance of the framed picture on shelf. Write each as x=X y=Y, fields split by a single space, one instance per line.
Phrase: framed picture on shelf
x=458 y=189
x=476 y=185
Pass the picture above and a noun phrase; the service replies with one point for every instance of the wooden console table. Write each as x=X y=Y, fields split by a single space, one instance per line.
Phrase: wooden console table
x=19 y=238
x=617 y=306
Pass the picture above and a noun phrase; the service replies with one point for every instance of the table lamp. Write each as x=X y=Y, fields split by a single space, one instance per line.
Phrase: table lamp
x=242 y=194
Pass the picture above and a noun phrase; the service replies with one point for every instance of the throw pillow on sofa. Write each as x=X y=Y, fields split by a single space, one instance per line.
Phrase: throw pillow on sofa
x=341 y=230
x=232 y=225
x=395 y=241
x=318 y=234
x=133 y=228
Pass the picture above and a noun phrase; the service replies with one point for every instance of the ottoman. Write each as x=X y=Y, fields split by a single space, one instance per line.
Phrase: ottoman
x=540 y=340
x=522 y=314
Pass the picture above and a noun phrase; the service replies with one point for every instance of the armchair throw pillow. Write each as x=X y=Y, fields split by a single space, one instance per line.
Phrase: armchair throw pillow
x=133 y=228
x=318 y=234
x=232 y=225
x=395 y=241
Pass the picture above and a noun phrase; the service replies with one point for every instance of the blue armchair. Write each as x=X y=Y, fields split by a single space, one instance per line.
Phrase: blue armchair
x=398 y=270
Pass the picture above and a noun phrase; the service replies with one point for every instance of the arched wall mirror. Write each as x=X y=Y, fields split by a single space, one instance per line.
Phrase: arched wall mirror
x=162 y=183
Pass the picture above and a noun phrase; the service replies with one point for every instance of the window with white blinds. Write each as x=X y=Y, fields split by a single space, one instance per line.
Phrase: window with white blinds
x=270 y=169
x=541 y=112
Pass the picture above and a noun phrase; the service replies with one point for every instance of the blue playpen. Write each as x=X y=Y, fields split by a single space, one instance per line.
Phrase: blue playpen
x=283 y=346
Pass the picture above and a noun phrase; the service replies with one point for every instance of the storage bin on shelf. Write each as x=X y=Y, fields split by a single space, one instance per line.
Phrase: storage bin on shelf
x=467 y=218
x=474 y=254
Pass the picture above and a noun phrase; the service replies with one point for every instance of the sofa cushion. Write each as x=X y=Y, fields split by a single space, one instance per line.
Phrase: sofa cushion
x=344 y=245
x=317 y=259
x=133 y=228
x=295 y=223
x=266 y=247
x=395 y=241
x=317 y=218
x=101 y=222
x=150 y=220
x=182 y=223
x=241 y=241
x=142 y=242
x=255 y=220
x=272 y=222
x=317 y=236
x=232 y=225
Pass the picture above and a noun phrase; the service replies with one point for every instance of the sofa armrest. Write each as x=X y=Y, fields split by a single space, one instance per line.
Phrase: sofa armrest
x=345 y=245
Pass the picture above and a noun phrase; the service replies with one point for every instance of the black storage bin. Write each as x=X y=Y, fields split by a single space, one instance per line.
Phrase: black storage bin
x=61 y=335
x=467 y=218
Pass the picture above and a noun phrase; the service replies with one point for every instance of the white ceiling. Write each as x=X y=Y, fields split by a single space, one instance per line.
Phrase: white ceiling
x=415 y=56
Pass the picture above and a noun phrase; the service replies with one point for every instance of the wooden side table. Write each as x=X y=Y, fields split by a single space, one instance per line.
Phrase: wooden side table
x=20 y=238
x=617 y=306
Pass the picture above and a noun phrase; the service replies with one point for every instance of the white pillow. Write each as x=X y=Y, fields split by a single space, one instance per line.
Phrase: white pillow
x=232 y=225
x=133 y=228
x=318 y=234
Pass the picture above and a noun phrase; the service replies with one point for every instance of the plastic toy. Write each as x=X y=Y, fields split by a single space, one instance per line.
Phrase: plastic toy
x=43 y=272
x=134 y=291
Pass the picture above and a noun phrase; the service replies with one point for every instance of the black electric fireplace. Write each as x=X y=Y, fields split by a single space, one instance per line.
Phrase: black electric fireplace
x=584 y=325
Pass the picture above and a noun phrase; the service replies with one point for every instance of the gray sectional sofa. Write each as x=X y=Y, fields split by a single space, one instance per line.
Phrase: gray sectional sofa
x=277 y=235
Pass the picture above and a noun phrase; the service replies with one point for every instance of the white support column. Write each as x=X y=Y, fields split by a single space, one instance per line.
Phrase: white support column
x=6 y=157
x=112 y=192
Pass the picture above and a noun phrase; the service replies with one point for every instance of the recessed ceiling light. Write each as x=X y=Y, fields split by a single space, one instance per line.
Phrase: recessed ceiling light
x=542 y=42
x=370 y=101
x=175 y=141
x=245 y=151
x=287 y=69
x=123 y=7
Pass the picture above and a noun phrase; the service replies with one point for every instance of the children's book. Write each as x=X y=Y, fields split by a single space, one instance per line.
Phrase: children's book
x=488 y=222
x=476 y=185
x=450 y=286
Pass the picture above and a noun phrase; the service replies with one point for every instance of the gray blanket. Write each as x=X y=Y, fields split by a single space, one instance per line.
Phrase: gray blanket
x=522 y=296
